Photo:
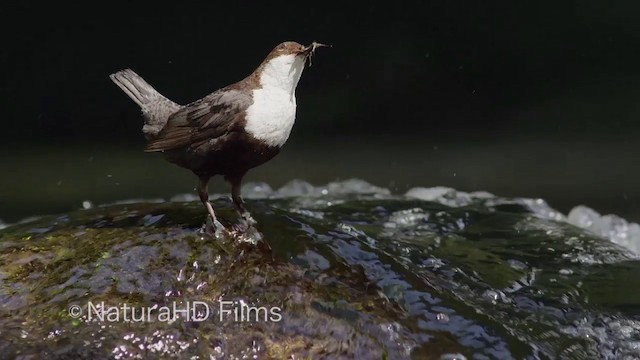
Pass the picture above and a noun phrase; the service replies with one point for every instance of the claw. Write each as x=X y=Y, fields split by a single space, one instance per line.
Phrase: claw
x=248 y=218
x=215 y=228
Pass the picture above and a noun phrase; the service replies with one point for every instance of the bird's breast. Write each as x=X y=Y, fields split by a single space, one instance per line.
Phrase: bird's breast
x=271 y=116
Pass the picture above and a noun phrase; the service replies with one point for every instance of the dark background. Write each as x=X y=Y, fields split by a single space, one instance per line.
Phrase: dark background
x=535 y=99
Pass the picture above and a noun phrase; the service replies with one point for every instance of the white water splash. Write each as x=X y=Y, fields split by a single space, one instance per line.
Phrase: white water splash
x=612 y=227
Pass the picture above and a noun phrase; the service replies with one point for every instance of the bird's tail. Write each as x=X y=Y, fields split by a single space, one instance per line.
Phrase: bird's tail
x=156 y=108
x=138 y=90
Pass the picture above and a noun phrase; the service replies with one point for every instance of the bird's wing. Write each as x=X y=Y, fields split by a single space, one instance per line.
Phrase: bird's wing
x=207 y=118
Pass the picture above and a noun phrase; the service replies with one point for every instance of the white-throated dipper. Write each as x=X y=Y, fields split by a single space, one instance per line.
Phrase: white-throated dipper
x=229 y=131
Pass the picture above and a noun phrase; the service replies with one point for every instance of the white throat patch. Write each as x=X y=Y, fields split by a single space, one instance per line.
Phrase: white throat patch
x=271 y=116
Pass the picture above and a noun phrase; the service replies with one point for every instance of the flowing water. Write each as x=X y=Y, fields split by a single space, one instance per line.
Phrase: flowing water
x=355 y=271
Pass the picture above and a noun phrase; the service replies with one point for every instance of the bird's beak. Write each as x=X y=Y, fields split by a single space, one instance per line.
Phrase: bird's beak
x=310 y=50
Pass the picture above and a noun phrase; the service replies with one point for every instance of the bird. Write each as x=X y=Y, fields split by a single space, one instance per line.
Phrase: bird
x=229 y=131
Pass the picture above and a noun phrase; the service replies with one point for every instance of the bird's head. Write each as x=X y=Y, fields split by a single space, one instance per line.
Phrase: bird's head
x=284 y=64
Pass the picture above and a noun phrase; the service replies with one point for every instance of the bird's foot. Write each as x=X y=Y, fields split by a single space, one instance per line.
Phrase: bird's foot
x=246 y=222
x=214 y=228
x=246 y=216
x=246 y=233
x=241 y=227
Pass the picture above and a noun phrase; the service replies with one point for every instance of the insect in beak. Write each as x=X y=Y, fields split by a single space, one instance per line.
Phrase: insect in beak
x=310 y=50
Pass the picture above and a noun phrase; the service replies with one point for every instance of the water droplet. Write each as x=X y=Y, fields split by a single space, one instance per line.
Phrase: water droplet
x=491 y=295
x=453 y=357
x=565 y=272
x=442 y=317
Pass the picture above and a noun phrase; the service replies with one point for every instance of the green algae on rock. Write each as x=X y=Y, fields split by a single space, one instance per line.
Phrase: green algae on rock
x=113 y=256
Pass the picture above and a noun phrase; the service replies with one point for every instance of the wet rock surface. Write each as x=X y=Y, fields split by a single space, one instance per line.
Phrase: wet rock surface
x=345 y=270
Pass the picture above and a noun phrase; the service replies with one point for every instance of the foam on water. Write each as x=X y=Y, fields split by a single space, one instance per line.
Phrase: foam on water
x=448 y=196
x=612 y=227
x=296 y=188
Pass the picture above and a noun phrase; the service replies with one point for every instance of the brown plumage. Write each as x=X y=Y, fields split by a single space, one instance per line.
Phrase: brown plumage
x=209 y=136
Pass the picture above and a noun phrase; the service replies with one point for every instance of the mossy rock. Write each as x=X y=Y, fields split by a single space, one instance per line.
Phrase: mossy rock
x=320 y=277
x=139 y=259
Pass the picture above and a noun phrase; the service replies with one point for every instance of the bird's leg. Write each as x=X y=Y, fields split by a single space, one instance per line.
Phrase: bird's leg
x=236 y=184
x=203 y=192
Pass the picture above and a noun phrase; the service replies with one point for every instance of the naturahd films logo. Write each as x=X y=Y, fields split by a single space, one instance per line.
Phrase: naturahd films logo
x=188 y=311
